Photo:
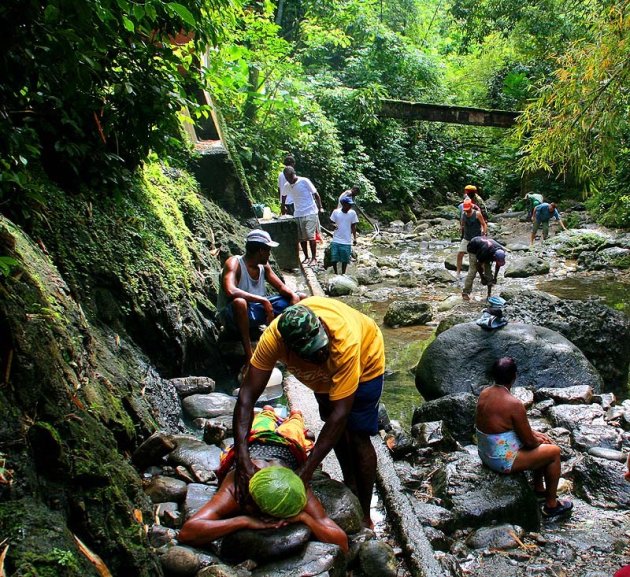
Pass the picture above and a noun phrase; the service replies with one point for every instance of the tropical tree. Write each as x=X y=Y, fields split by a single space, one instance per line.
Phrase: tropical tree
x=580 y=120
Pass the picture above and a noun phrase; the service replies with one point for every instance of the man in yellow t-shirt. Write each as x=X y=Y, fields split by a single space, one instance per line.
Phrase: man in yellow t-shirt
x=337 y=352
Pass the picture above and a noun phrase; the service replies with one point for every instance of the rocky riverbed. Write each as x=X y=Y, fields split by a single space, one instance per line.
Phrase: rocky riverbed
x=474 y=521
x=405 y=279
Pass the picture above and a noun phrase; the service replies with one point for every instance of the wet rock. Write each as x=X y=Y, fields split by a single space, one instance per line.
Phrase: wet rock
x=601 y=482
x=159 y=535
x=221 y=570
x=431 y=515
x=613 y=257
x=609 y=454
x=588 y=436
x=340 y=503
x=162 y=489
x=544 y=359
x=619 y=415
x=438 y=539
x=369 y=275
x=203 y=475
x=497 y=537
x=191 y=451
x=577 y=395
x=517 y=246
x=409 y=279
x=449 y=565
x=196 y=497
x=606 y=400
x=180 y=562
x=573 y=242
x=318 y=559
x=377 y=559
x=477 y=496
x=407 y=313
x=571 y=416
x=525 y=266
x=450 y=262
x=214 y=433
x=447 y=304
x=439 y=276
x=341 y=285
x=152 y=451
x=207 y=406
x=524 y=395
x=457 y=410
x=434 y=434
x=399 y=443
x=355 y=541
x=601 y=333
x=169 y=514
x=186 y=386
x=264 y=544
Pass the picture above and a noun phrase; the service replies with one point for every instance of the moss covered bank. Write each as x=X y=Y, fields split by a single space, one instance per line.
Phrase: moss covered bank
x=101 y=298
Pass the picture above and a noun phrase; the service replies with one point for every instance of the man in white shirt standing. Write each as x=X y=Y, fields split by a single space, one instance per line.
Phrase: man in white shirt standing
x=286 y=202
x=341 y=247
x=307 y=205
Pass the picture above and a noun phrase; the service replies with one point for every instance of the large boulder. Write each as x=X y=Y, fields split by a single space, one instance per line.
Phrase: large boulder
x=601 y=333
x=459 y=360
x=264 y=544
x=318 y=559
x=478 y=496
x=457 y=411
x=608 y=258
x=526 y=266
x=601 y=482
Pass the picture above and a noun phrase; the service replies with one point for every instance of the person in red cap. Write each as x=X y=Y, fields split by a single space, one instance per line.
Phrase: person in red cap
x=472 y=224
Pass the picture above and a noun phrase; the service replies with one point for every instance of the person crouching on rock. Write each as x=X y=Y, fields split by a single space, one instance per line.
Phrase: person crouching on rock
x=507 y=444
x=274 y=443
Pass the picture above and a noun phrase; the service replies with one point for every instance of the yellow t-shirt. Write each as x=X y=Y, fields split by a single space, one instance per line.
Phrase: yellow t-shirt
x=357 y=352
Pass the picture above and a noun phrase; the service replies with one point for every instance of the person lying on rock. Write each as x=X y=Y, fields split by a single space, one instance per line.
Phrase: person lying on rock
x=243 y=302
x=338 y=353
x=274 y=444
x=507 y=444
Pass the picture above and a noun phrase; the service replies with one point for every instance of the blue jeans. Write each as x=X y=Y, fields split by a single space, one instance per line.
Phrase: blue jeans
x=256 y=312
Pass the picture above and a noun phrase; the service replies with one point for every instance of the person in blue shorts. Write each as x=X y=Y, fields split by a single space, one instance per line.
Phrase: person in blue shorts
x=507 y=444
x=243 y=302
x=345 y=233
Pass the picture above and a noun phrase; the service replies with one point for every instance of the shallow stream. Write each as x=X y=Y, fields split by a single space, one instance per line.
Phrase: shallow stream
x=404 y=345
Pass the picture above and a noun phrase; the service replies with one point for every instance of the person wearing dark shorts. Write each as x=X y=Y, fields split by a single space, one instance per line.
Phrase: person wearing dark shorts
x=337 y=352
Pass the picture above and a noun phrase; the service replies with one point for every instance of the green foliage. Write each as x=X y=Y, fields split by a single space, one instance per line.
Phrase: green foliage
x=611 y=203
x=7 y=264
x=574 y=127
x=90 y=87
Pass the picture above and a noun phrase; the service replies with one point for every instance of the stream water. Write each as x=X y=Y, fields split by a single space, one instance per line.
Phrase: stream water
x=404 y=345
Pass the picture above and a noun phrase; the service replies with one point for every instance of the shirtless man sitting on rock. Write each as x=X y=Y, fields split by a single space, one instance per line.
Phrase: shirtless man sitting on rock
x=507 y=444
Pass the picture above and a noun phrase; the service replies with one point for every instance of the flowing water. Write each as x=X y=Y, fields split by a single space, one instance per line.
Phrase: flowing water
x=404 y=346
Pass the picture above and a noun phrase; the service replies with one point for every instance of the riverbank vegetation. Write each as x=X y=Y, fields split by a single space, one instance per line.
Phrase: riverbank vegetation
x=90 y=91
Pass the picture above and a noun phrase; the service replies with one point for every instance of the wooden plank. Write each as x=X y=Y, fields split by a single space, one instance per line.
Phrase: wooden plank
x=449 y=114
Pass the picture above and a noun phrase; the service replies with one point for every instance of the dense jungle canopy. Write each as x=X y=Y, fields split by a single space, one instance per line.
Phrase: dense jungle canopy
x=91 y=90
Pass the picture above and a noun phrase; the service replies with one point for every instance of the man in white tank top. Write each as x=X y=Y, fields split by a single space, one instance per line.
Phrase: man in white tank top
x=243 y=301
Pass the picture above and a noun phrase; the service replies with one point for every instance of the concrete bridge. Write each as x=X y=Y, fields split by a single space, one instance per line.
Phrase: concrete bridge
x=450 y=114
